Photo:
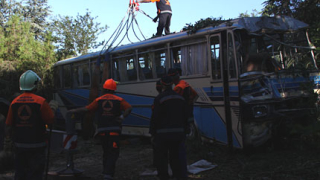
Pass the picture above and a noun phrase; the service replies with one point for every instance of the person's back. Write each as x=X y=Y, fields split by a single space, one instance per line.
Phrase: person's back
x=26 y=119
x=170 y=113
x=168 y=126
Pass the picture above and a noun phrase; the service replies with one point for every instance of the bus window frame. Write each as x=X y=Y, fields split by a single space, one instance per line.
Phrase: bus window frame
x=77 y=64
x=64 y=75
x=189 y=43
x=220 y=57
x=234 y=56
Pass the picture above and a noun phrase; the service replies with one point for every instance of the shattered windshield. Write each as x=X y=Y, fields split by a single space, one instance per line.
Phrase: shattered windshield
x=264 y=55
x=270 y=53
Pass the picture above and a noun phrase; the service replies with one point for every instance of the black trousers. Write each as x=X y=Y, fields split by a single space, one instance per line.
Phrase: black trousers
x=29 y=163
x=111 y=150
x=170 y=150
x=164 y=23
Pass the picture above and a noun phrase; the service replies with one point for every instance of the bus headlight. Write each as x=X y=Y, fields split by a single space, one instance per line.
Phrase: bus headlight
x=259 y=111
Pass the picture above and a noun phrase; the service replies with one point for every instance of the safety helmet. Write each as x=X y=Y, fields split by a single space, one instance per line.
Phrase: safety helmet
x=29 y=80
x=110 y=84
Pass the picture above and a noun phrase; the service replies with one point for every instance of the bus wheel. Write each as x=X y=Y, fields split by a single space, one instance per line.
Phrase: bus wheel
x=193 y=135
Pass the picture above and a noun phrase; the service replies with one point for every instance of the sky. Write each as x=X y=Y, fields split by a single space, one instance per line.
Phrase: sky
x=111 y=13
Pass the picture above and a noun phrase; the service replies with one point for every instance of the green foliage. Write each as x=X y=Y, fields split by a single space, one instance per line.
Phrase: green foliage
x=76 y=35
x=8 y=8
x=36 y=12
x=202 y=23
x=254 y=13
x=20 y=51
x=303 y=10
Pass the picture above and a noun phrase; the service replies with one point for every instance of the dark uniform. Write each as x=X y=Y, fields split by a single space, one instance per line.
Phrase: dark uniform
x=168 y=127
x=189 y=94
x=28 y=114
x=109 y=107
x=164 y=13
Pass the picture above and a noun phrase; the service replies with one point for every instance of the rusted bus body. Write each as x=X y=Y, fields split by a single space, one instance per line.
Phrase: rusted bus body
x=249 y=73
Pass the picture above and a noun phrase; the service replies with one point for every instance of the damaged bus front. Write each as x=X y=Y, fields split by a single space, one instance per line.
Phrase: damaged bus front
x=278 y=78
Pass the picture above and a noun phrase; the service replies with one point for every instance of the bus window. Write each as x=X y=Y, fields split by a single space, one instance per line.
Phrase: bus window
x=67 y=80
x=84 y=74
x=75 y=76
x=231 y=59
x=215 y=57
x=58 y=77
x=131 y=70
x=160 y=62
x=93 y=66
x=191 y=59
x=115 y=71
x=145 y=67
x=125 y=69
x=176 y=56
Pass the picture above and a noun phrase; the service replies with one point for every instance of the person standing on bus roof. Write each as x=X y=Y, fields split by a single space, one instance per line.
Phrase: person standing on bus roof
x=164 y=14
x=168 y=126
x=111 y=111
x=26 y=124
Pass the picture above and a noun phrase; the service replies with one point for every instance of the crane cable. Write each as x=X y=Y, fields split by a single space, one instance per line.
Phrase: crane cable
x=132 y=9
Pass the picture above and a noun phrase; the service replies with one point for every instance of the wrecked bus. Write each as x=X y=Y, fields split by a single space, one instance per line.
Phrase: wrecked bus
x=251 y=75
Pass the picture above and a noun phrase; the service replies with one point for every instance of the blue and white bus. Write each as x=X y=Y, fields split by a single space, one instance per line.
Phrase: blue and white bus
x=251 y=75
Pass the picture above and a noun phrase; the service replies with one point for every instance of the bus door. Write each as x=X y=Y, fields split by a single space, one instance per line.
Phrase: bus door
x=224 y=89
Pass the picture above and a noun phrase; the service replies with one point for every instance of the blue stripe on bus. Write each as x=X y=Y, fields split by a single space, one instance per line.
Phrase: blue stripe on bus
x=217 y=94
x=212 y=127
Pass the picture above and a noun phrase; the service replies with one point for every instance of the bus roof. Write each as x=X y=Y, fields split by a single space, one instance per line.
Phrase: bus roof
x=253 y=25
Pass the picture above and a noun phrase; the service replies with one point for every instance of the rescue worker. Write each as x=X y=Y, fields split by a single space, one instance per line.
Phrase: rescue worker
x=190 y=96
x=26 y=124
x=168 y=126
x=159 y=89
x=185 y=90
x=111 y=110
x=164 y=14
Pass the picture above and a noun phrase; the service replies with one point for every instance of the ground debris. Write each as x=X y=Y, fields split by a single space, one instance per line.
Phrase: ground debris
x=136 y=156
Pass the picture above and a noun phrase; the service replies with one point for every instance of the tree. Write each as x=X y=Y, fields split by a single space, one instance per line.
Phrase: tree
x=254 y=13
x=21 y=51
x=76 y=36
x=36 y=12
x=8 y=8
x=303 y=10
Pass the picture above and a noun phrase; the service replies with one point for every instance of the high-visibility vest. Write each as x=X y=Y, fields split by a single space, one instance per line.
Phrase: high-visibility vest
x=29 y=128
x=109 y=108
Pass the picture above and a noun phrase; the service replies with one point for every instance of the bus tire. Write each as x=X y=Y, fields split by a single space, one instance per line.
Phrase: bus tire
x=193 y=135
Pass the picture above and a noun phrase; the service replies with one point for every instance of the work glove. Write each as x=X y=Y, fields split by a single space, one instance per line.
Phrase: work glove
x=155 y=19
x=54 y=105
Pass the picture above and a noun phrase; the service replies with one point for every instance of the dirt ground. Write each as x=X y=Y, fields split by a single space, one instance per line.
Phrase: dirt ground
x=290 y=162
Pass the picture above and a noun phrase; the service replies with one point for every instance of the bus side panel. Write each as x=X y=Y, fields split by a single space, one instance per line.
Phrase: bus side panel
x=211 y=125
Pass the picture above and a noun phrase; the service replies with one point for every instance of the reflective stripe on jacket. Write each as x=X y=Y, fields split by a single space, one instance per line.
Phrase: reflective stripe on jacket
x=164 y=6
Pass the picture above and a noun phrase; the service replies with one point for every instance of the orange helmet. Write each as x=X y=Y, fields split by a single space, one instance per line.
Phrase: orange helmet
x=110 y=84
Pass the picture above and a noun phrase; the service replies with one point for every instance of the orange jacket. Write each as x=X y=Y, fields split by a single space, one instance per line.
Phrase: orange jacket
x=109 y=107
x=28 y=114
x=181 y=89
